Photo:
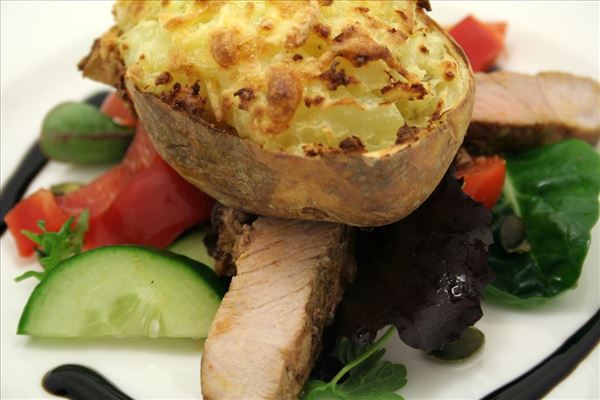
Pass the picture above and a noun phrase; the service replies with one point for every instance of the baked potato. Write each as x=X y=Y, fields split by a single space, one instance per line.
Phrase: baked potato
x=344 y=111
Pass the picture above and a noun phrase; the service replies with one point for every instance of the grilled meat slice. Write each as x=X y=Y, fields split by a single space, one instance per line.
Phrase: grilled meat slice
x=515 y=112
x=227 y=225
x=267 y=332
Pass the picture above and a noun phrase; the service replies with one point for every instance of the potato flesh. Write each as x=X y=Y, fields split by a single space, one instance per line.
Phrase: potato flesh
x=228 y=46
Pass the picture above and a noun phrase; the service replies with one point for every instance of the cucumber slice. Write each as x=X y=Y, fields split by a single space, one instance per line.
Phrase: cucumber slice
x=191 y=244
x=124 y=291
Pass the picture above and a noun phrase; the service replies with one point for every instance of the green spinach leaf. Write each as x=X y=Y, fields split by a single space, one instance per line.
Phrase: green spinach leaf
x=554 y=190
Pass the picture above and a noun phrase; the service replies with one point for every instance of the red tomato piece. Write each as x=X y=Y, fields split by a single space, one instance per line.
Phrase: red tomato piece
x=481 y=44
x=140 y=201
x=484 y=179
x=499 y=28
x=141 y=153
x=24 y=216
x=100 y=193
x=153 y=209
x=114 y=107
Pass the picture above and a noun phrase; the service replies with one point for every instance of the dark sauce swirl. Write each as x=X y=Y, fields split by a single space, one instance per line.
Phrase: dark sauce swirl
x=77 y=382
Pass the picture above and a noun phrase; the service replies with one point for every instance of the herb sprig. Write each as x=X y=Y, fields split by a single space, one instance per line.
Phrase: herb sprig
x=367 y=376
x=54 y=247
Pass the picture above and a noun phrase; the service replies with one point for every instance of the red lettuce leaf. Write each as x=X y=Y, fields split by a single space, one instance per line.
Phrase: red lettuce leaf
x=424 y=274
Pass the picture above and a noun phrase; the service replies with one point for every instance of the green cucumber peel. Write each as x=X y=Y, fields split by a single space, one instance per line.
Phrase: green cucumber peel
x=124 y=291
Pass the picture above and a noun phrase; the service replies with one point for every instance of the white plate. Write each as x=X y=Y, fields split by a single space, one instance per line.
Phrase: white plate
x=41 y=43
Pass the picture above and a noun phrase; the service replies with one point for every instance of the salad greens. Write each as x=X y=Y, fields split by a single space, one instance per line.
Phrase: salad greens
x=366 y=376
x=54 y=247
x=554 y=191
x=80 y=133
x=424 y=274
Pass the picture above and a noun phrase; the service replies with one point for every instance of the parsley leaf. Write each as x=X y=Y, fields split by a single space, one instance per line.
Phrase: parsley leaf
x=367 y=377
x=54 y=247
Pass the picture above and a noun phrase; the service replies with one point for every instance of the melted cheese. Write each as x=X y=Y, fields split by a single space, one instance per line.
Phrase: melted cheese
x=292 y=75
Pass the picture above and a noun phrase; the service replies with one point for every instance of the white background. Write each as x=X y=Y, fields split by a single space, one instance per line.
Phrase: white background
x=41 y=43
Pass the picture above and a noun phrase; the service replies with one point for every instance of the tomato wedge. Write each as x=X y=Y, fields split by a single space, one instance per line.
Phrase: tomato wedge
x=24 y=216
x=155 y=207
x=499 y=28
x=100 y=193
x=140 y=201
x=484 y=179
x=481 y=44
x=114 y=107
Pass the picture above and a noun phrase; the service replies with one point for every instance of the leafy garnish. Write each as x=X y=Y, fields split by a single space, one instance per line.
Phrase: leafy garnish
x=424 y=274
x=366 y=376
x=54 y=247
x=553 y=190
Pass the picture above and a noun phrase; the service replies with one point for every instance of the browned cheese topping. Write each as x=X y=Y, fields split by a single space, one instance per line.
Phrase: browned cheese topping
x=294 y=75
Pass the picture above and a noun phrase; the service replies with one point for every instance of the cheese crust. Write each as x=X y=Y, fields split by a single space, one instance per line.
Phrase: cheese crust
x=302 y=77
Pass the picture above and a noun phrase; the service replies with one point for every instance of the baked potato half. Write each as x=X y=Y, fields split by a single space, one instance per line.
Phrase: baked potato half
x=349 y=112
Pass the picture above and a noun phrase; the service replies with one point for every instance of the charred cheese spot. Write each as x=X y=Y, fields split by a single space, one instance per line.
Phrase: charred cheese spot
x=163 y=78
x=352 y=144
x=283 y=94
x=402 y=15
x=407 y=134
x=402 y=89
x=246 y=95
x=183 y=99
x=313 y=101
x=437 y=112
x=322 y=30
x=225 y=46
x=450 y=70
x=336 y=78
x=267 y=24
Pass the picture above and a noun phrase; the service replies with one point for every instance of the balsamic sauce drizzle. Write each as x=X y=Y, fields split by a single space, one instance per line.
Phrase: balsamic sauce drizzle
x=77 y=382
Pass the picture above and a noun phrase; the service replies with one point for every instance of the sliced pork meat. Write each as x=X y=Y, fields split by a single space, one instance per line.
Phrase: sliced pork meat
x=227 y=225
x=267 y=332
x=515 y=112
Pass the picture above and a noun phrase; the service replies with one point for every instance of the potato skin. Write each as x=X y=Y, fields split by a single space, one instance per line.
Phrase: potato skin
x=353 y=188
